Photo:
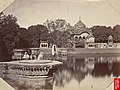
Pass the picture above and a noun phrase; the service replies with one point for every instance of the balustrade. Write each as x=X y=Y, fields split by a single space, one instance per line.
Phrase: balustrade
x=29 y=70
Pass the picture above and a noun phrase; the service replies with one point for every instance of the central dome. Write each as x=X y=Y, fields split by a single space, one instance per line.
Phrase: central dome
x=79 y=25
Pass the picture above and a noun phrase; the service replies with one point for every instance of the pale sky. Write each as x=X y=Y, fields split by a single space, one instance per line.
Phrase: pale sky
x=92 y=12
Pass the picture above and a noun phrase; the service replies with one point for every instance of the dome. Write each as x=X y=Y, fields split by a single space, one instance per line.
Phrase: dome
x=80 y=28
x=79 y=25
x=110 y=37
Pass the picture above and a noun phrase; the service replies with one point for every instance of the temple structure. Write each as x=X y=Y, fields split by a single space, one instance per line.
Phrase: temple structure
x=81 y=36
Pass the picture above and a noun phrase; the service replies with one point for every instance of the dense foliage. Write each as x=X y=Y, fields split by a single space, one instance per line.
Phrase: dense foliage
x=101 y=33
x=8 y=34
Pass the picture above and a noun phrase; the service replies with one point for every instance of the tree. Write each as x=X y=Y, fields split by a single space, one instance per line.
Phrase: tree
x=61 y=39
x=23 y=38
x=54 y=38
x=4 y=55
x=9 y=34
x=65 y=39
x=37 y=33
x=101 y=33
x=116 y=36
x=58 y=24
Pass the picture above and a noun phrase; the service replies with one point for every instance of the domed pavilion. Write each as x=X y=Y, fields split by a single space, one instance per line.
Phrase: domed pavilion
x=81 y=36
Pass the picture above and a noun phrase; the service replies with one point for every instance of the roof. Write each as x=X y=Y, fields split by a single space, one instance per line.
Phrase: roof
x=110 y=37
x=44 y=42
x=78 y=31
x=90 y=35
x=79 y=28
x=79 y=25
x=19 y=50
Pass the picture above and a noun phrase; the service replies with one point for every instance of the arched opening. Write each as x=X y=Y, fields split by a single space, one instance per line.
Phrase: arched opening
x=80 y=37
x=83 y=37
x=76 y=38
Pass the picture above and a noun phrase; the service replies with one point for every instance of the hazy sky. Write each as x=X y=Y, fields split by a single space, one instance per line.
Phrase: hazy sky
x=92 y=12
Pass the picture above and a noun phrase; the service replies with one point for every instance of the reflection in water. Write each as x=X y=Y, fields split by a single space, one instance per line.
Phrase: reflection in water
x=74 y=69
x=79 y=68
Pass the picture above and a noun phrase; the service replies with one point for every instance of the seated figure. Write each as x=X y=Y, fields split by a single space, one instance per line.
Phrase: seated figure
x=26 y=56
x=40 y=56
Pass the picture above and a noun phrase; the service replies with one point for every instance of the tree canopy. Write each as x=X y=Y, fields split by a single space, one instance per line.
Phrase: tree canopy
x=37 y=33
x=57 y=24
x=101 y=33
x=9 y=34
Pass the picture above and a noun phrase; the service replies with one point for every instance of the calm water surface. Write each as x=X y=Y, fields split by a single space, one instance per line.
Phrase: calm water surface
x=79 y=72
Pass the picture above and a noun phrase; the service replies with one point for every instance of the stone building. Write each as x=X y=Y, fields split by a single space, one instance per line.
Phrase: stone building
x=18 y=54
x=81 y=36
x=110 y=42
x=44 y=44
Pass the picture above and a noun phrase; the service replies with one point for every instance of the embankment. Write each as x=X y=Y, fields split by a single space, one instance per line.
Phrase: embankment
x=95 y=51
x=85 y=50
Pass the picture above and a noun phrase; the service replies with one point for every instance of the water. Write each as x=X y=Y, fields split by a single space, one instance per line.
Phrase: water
x=79 y=72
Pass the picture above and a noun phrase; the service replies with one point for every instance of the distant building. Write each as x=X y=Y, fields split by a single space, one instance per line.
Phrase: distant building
x=34 y=50
x=110 y=42
x=81 y=36
x=18 y=54
x=44 y=44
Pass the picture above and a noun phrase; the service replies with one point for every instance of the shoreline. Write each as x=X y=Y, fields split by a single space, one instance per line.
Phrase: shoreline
x=95 y=51
x=72 y=52
x=84 y=50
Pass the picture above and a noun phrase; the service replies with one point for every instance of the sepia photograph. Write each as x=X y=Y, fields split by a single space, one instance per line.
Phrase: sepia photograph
x=59 y=44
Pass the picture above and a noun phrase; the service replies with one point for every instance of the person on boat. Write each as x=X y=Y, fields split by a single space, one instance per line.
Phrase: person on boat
x=29 y=52
x=26 y=56
x=40 y=56
x=33 y=56
x=54 y=51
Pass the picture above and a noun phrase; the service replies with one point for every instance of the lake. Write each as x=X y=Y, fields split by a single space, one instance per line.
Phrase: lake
x=79 y=72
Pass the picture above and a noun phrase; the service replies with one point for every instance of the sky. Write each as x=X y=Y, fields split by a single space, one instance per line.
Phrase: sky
x=92 y=12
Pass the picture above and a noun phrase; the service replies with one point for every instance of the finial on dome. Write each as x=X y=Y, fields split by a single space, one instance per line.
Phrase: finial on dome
x=79 y=18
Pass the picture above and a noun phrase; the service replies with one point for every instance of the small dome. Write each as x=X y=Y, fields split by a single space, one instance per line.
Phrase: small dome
x=110 y=37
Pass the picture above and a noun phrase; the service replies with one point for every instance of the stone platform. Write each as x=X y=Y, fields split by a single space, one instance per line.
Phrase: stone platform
x=30 y=68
